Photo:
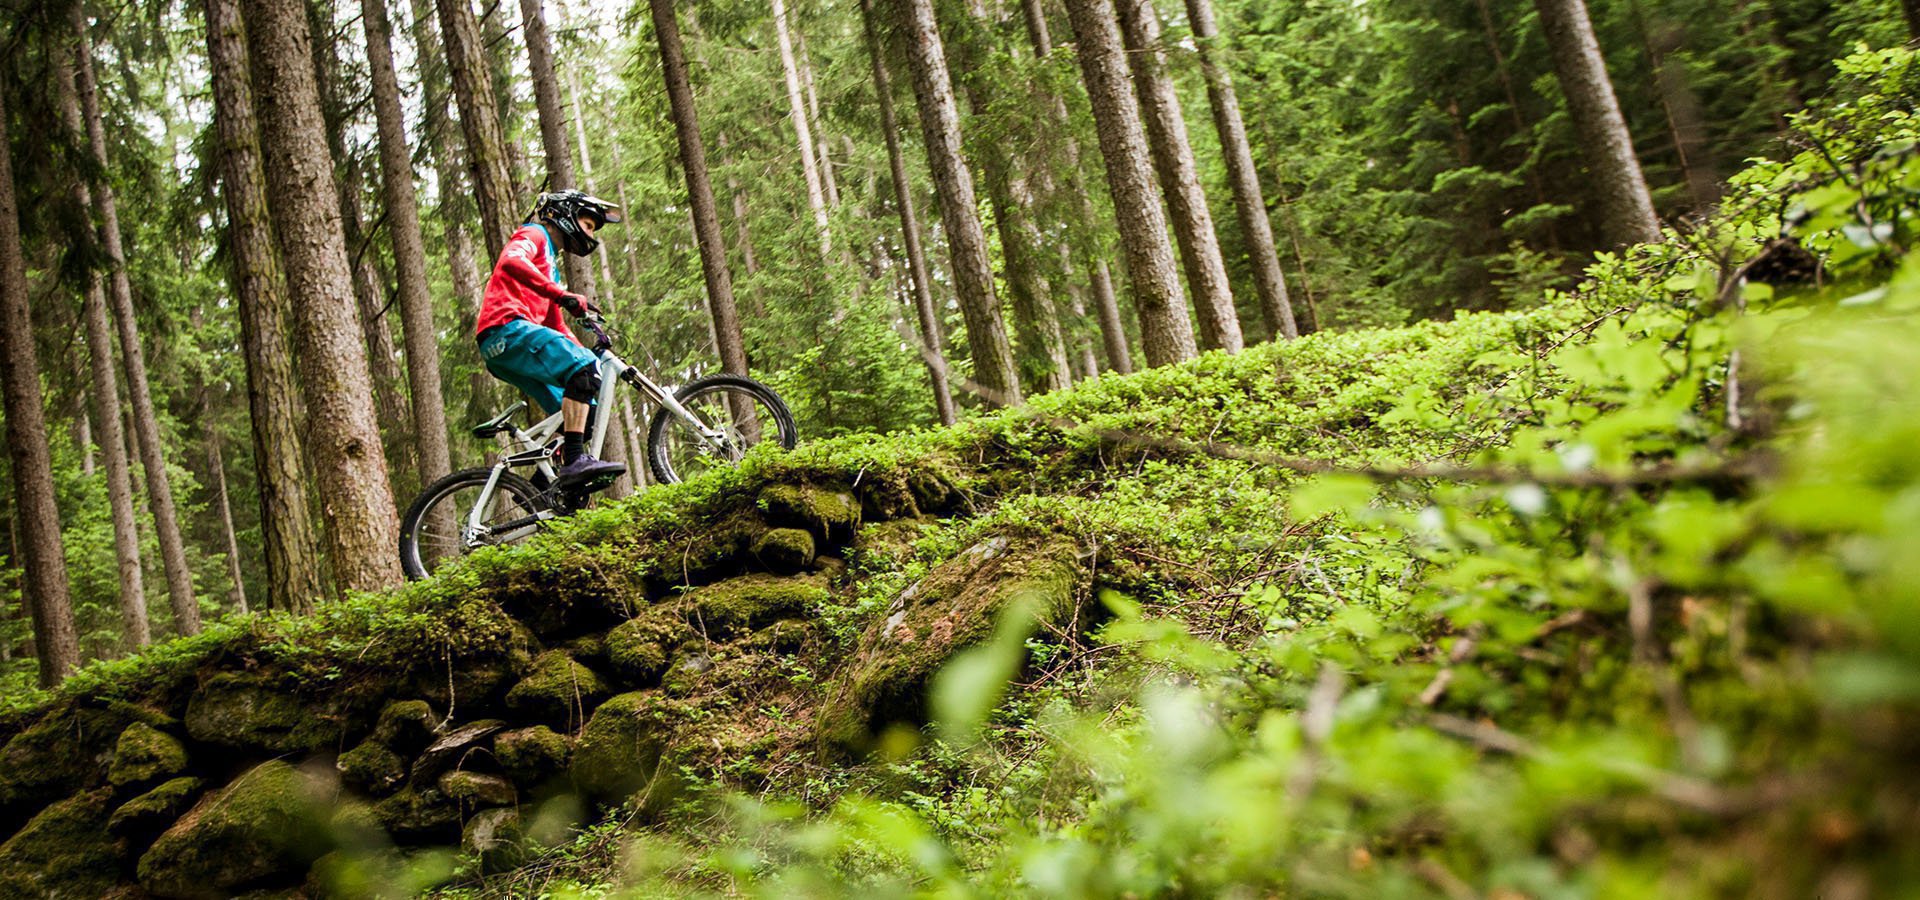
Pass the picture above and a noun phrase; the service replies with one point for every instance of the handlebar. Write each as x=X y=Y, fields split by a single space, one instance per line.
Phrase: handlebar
x=595 y=323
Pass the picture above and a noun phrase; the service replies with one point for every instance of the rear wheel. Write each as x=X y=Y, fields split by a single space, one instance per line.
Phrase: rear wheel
x=434 y=531
x=744 y=412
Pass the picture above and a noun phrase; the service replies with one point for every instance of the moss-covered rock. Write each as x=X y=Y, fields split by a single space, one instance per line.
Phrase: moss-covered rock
x=478 y=679
x=532 y=755
x=785 y=551
x=145 y=755
x=372 y=768
x=419 y=816
x=955 y=606
x=406 y=726
x=65 y=851
x=639 y=649
x=243 y=710
x=559 y=689
x=831 y=514
x=68 y=748
x=150 y=813
x=885 y=496
x=477 y=790
x=451 y=748
x=739 y=605
x=618 y=752
x=270 y=823
x=355 y=827
x=589 y=650
x=495 y=838
x=933 y=492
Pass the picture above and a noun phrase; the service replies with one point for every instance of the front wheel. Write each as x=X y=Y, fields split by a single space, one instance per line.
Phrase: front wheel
x=436 y=529
x=738 y=413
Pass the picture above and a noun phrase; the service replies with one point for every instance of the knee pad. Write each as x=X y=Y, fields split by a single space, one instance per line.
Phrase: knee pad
x=583 y=386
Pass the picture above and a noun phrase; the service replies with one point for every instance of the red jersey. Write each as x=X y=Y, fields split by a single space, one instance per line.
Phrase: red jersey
x=525 y=284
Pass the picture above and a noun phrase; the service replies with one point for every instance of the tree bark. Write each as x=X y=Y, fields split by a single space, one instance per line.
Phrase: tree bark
x=218 y=466
x=1165 y=332
x=586 y=164
x=1249 y=203
x=83 y=441
x=357 y=498
x=1179 y=177
x=273 y=399
x=166 y=521
x=105 y=388
x=1085 y=253
x=38 y=547
x=932 y=353
x=473 y=91
x=1626 y=207
x=620 y=191
x=828 y=182
x=409 y=250
x=1686 y=123
x=706 y=219
x=1911 y=9
x=742 y=214
x=993 y=366
x=553 y=129
x=1042 y=355
x=803 y=132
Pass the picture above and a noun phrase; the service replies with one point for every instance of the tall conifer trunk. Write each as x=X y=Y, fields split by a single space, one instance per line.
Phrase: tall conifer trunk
x=217 y=465
x=933 y=354
x=105 y=392
x=1249 y=202
x=273 y=399
x=488 y=168
x=356 y=497
x=1165 y=332
x=409 y=251
x=37 y=544
x=693 y=162
x=1179 y=175
x=166 y=521
x=993 y=367
x=553 y=129
x=803 y=131
x=1626 y=208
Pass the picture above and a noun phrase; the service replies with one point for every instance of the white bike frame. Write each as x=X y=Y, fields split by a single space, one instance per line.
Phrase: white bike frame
x=532 y=446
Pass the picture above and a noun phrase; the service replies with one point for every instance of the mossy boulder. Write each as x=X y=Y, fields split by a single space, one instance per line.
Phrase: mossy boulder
x=150 y=813
x=559 y=689
x=532 y=755
x=956 y=606
x=268 y=826
x=145 y=755
x=739 y=605
x=65 y=851
x=618 y=752
x=589 y=650
x=69 y=748
x=933 y=492
x=785 y=551
x=496 y=839
x=830 y=513
x=477 y=790
x=245 y=711
x=639 y=649
x=419 y=816
x=372 y=768
x=479 y=678
x=452 y=747
x=406 y=726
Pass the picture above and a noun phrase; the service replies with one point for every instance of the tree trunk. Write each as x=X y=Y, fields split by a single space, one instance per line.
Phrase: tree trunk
x=83 y=441
x=273 y=399
x=473 y=91
x=932 y=353
x=105 y=388
x=1085 y=253
x=1179 y=177
x=1911 y=8
x=993 y=367
x=586 y=164
x=803 y=132
x=409 y=251
x=620 y=191
x=1042 y=356
x=218 y=467
x=357 y=498
x=43 y=560
x=742 y=232
x=828 y=182
x=1625 y=206
x=1165 y=332
x=1521 y=126
x=166 y=522
x=693 y=162
x=1686 y=123
x=1249 y=202
x=369 y=297
x=553 y=129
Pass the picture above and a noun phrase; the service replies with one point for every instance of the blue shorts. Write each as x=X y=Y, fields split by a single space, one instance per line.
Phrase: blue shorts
x=533 y=358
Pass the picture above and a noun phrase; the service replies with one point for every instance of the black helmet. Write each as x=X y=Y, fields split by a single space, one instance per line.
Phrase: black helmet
x=562 y=209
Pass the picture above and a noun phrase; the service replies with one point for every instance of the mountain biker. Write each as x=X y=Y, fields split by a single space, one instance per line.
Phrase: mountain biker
x=523 y=337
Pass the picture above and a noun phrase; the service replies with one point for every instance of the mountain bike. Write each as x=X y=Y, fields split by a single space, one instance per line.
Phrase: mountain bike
x=709 y=423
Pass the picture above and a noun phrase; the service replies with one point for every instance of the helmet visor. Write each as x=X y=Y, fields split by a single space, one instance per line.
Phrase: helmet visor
x=608 y=212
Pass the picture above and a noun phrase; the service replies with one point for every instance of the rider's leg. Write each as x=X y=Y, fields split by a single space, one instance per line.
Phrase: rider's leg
x=580 y=390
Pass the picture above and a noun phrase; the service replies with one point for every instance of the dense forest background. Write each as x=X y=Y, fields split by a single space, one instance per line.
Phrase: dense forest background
x=1417 y=159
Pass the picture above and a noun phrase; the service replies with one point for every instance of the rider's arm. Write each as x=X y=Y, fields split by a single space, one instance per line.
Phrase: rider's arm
x=517 y=262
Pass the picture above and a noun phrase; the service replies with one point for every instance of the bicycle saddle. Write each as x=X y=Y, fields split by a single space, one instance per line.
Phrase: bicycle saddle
x=500 y=422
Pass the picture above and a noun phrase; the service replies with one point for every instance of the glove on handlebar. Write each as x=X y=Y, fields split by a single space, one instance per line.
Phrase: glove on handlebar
x=577 y=304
